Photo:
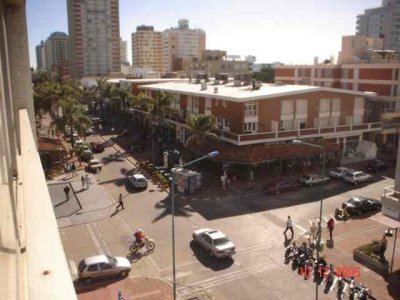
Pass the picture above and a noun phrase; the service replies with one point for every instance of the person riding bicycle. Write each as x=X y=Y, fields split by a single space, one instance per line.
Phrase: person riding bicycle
x=139 y=237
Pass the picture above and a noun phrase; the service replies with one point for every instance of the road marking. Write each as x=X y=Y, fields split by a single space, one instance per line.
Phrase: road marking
x=73 y=269
x=100 y=245
x=208 y=283
x=94 y=239
x=302 y=229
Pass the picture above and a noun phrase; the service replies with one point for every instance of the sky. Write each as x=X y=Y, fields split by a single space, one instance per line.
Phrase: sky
x=287 y=31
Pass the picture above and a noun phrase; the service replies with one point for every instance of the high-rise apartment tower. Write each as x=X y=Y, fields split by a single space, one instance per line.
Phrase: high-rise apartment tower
x=146 y=48
x=94 y=37
x=384 y=22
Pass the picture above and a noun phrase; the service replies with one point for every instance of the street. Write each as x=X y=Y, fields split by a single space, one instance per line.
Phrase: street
x=253 y=221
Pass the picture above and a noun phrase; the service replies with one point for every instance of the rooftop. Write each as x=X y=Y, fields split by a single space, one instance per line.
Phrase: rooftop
x=241 y=93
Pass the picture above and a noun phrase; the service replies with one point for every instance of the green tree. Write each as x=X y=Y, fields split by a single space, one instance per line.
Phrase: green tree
x=201 y=126
x=266 y=75
x=73 y=116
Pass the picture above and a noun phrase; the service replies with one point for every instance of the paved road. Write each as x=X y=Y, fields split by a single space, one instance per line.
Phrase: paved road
x=254 y=222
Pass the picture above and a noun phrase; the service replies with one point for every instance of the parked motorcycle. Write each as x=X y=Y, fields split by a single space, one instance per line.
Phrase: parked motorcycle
x=364 y=293
x=342 y=286
x=320 y=267
x=291 y=253
x=148 y=243
x=331 y=279
x=306 y=269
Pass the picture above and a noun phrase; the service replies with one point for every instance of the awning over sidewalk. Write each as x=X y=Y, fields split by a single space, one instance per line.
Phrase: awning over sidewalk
x=259 y=153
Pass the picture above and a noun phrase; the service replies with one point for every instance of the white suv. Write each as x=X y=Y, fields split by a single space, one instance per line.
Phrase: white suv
x=356 y=177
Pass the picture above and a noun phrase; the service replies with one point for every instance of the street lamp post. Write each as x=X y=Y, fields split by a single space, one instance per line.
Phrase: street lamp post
x=321 y=199
x=211 y=154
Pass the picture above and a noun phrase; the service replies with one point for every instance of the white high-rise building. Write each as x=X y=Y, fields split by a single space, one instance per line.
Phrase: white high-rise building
x=124 y=52
x=384 y=22
x=93 y=27
x=181 y=43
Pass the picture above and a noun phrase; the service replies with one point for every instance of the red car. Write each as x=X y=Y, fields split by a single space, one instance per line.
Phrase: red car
x=281 y=186
x=97 y=147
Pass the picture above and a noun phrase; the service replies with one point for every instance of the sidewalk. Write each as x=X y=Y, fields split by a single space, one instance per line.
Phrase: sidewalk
x=84 y=205
x=142 y=288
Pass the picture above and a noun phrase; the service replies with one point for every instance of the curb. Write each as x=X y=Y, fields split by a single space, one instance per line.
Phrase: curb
x=128 y=158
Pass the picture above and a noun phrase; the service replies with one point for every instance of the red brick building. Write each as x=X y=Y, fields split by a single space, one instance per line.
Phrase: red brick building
x=380 y=78
x=256 y=122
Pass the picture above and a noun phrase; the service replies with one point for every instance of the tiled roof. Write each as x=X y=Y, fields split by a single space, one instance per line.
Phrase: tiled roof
x=47 y=144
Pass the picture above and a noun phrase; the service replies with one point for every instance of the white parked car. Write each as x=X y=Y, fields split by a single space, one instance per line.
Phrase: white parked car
x=214 y=242
x=356 y=177
x=313 y=179
x=102 y=266
x=138 y=181
x=338 y=172
x=94 y=166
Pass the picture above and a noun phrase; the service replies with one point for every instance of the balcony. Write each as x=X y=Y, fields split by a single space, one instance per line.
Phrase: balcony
x=282 y=135
x=32 y=256
x=391 y=203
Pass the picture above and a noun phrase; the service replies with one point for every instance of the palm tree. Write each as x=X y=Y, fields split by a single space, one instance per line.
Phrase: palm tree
x=73 y=116
x=201 y=127
x=46 y=94
x=104 y=93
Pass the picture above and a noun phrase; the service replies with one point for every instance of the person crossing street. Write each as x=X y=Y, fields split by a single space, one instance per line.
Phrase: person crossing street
x=289 y=226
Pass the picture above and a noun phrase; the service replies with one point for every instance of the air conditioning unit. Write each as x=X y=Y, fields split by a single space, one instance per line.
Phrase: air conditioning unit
x=203 y=86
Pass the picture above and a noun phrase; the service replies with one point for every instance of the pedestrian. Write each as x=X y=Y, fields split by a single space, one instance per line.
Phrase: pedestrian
x=83 y=182
x=382 y=248
x=331 y=226
x=73 y=169
x=87 y=180
x=66 y=170
x=120 y=203
x=251 y=177
x=313 y=232
x=66 y=191
x=346 y=215
x=289 y=226
x=223 y=182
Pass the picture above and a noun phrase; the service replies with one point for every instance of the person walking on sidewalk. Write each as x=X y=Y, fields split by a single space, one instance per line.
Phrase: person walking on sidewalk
x=289 y=226
x=120 y=203
x=87 y=180
x=66 y=191
x=331 y=226
x=382 y=248
x=313 y=232
x=83 y=182
x=73 y=170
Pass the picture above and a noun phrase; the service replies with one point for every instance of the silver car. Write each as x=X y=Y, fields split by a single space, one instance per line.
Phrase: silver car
x=356 y=177
x=214 y=242
x=138 y=181
x=102 y=266
x=338 y=172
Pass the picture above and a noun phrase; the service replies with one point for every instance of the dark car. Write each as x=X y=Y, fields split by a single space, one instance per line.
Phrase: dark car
x=281 y=186
x=377 y=165
x=97 y=147
x=360 y=205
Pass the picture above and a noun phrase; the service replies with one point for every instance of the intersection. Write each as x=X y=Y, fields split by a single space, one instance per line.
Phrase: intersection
x=252 y=220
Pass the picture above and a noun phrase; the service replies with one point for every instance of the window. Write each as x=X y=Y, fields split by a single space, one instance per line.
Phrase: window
x=250 y=109
x=286 y=125
x=287 y=107
x=226 y=122
x=335 y=111
x=301 y=109
x=93 y=268
x=250 y=126
x=324 y=105
x=195 y=103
